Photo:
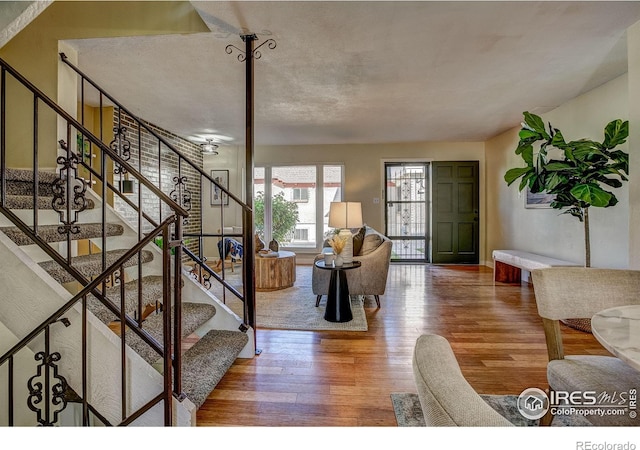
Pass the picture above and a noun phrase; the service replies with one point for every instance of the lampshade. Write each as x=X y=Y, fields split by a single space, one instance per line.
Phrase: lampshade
x=345 y=215
x=209 y=148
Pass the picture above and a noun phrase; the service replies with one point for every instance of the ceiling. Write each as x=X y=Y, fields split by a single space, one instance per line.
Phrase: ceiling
x=366 y=72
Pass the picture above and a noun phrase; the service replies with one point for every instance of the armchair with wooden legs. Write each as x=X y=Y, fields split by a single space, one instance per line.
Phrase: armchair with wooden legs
x=230 y=249
x=566 y=292
x=446 y=398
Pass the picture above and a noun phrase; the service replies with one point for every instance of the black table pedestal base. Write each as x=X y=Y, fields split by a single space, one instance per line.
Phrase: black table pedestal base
x=338 y=300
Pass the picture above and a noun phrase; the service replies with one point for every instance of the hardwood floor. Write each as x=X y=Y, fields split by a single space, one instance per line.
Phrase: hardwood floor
x=305 y=378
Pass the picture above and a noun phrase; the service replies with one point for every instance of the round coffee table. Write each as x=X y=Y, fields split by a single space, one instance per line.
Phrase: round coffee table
x=275 y=272
x=618 y=330
x=338 y=300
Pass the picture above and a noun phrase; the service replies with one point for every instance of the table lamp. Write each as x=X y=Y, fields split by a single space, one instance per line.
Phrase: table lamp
x=346 y=215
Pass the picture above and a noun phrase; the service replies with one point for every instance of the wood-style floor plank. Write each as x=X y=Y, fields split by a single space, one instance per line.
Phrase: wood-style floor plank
x=345 y=379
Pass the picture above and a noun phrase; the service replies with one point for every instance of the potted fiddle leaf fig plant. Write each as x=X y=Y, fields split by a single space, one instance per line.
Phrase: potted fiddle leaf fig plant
x=579 y=173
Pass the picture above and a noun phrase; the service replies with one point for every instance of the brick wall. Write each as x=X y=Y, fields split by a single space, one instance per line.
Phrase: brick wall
x=160 y=165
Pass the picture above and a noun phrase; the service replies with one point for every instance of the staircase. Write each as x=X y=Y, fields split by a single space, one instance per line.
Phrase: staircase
x=204 y=363
x=106 y=307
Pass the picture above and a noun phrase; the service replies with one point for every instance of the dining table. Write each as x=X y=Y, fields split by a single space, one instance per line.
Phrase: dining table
x=618 y=330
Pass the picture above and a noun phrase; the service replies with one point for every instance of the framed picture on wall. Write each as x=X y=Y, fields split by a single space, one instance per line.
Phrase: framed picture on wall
x=537 y=200
x=217 y=196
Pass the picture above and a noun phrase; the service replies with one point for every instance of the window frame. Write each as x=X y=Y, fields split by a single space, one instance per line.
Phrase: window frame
x=301 y=198
x=319 y=225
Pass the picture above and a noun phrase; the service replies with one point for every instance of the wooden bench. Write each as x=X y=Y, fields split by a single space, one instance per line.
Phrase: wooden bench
x=508 y=264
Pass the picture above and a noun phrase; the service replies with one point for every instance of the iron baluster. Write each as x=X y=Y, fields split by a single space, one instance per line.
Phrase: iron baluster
x=43 y=391
x=122 y=146
x=67 y=181
x=181 y=195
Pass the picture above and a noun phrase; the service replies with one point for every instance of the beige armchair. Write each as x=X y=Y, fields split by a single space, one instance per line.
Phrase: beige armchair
x=370 y=278
x=446 y=397
x=565 y=292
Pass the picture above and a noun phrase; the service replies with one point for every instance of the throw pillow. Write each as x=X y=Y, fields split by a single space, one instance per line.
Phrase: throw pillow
x=358 y=239
x=371 y=242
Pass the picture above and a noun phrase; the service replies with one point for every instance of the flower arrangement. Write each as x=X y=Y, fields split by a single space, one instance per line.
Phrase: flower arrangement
x=337 y=243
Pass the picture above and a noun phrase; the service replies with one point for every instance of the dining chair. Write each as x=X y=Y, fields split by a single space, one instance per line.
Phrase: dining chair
x=566 y=292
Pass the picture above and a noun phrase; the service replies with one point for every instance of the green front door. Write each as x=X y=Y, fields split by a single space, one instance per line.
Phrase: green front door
x=456 y=206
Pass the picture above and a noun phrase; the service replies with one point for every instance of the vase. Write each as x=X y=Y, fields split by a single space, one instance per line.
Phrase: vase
x=274 y=246
x=258 y=243
x=328 y=259
x=338 y=261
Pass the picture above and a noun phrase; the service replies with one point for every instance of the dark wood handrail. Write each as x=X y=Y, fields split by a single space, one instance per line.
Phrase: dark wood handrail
x=246 y=206
x=118 y=193
x=207 y=269
x=89 y=289
x=80 y=127
x=65 y=59
x=171 y=363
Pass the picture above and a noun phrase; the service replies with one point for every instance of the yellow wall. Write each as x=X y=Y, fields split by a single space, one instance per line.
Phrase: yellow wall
x=34 y=53
x=363 y=165
x=91 y=121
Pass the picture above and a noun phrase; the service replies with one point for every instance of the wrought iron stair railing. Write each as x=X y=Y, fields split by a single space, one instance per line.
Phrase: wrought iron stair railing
x=48 y=389
x=181 y=194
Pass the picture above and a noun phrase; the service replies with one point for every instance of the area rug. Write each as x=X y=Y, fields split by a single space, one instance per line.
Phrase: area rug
x=408 y=411
x=296 y=311
x=295 y=308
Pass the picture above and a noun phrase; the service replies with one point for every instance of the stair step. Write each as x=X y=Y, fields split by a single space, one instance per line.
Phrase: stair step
x=91 y=265
x=204 y=364
x=26 y=175
x=19 y=186
x=193 y=316
x=26 y=202
x=20 y=182
x=151 y=293
x=50 y=233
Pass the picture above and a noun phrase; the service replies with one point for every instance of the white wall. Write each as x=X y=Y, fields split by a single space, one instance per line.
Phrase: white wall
x=633 y=49
x=544 y=231
x=231 y=158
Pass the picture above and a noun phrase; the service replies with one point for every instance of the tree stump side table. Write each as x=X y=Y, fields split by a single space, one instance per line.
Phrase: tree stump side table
x=275 y=272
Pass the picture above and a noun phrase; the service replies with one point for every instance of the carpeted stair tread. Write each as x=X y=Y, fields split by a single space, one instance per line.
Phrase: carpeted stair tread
x=26 y=176
x=151 y=292
x=204 y=364
x=50 y=233
x=91 y=265
x=26 y=202
x=193 y=316
x=20 y=182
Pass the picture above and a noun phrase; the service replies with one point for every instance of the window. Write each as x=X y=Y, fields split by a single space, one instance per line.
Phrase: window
x=300 y=195
x=301 y=234
x=290 y=208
